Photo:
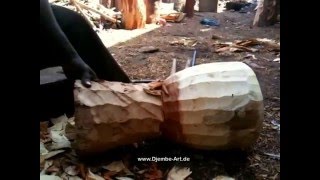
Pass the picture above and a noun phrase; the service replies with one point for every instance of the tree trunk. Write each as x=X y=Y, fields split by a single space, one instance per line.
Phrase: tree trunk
x=134 y=13
x=153 y=7
x=189 y=8
x=267 y=13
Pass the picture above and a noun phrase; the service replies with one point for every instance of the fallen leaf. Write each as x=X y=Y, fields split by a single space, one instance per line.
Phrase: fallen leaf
x=185 y=42
x=107 y=175
x=276 y=98
x=82 y=170
x=49 y=177
x=116 y=166
x=53 y=169
x=53 y=153
x=275 y=156
x=43 y=149
x=44 y=133
x=142 y=171
x=91 y=176
x=124 y=178
x=276 y=60
x=153 y=172
x=71 y=170
x=257 y=157
x=59 y=141
x=65 y=176
x=205 y=30
x=46 y=165
x=59 y=123
x=178 y=173
x=275 y=109
x=223 y=178
x=250 y=56
x=44 y=126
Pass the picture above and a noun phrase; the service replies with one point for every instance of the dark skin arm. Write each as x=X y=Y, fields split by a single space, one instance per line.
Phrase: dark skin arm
x=72 y=64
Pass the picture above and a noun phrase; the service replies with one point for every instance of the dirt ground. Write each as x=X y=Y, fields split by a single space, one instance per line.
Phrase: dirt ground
x=233 y=26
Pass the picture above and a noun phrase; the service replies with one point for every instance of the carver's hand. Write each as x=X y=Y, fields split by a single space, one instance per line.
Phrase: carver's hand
x=77 y=69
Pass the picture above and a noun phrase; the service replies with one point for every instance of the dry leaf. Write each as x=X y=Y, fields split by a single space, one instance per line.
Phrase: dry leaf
x=223 y=178
x=71 y=170
x=53 y=153
x=257 y=157
x=250 y=56
x=109 y=174
x=59 y=140
x=49 y=177
x=59 y=123
x=47 y=164
x=43 y=149
x=44 y=133
x=276 y=60
x=153 y=173
x=53 y=169
x=65 y=176
x=82 y=170
x=124 y=178
x=178 y=173
x=275 y=109
x=91 y=176
x=116 y=166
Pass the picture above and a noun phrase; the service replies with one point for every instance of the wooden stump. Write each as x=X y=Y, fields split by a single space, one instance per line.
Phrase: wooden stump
x=134 y=13
x=189 y=8
x=153 y=7
x=267 y=13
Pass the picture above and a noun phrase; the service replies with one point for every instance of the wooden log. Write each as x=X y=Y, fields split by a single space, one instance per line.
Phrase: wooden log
x=134 y=14
x=213 y=106
x=111 y=114
x=267 y=13
x=208 y=106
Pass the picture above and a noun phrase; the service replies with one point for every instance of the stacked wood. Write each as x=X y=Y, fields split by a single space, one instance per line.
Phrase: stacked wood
x=213 y=106
x=111 y=114
x=209 y=106
x=93 y=12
